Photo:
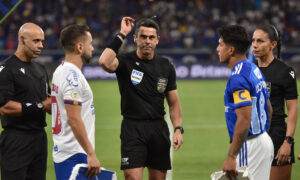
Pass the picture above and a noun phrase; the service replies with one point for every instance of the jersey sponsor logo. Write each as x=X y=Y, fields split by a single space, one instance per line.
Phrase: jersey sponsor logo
x=269 y=87
x=1 y=68
x=136 y=76
x=72 y=78
x=237 y=69
x=241 y=96
x=257 y=73
x=292 y=73
x=22 y=70
x=162 y=84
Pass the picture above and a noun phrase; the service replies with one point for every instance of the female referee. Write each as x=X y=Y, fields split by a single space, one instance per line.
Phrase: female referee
x=282 y=86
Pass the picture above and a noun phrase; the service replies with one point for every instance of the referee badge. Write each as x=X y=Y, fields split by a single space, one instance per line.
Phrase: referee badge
x=136 y=77
x=162 y=84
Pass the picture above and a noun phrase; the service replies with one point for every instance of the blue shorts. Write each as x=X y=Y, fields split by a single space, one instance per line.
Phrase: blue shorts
x=64 y=169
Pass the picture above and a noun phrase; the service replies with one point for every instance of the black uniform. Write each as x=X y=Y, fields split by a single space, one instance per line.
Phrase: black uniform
x=23 y=140
x=144 y=132
x=282 y=85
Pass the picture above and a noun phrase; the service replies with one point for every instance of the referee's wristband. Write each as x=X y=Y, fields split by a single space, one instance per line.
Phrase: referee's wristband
x=29 y=108
x=116 y=43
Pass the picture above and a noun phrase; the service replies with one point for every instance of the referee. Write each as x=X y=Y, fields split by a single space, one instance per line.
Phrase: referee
x=24 y=88
x=282 y=86
x=145 y=79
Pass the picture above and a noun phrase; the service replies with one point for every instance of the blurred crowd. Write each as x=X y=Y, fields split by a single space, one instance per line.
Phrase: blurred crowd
x=183 y=23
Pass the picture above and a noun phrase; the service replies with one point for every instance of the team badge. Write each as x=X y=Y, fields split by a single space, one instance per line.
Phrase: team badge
x=269 y=87
x=136 y=77
x=72 y=78
x=162 y=84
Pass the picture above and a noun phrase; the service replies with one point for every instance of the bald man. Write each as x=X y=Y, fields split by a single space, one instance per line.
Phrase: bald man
x=24 y=92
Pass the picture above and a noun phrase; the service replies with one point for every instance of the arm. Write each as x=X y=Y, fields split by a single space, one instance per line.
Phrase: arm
x=11 y=108
x=241 y=131
x=284 y=151
x=108 y=59
x=77 y=126
x=175 y=116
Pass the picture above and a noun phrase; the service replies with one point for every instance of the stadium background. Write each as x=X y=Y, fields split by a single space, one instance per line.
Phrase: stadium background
x=188 y=38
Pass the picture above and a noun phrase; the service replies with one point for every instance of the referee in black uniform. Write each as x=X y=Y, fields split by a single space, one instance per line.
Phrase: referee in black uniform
x=24 y=88
x=145 y=79
x=282 y=86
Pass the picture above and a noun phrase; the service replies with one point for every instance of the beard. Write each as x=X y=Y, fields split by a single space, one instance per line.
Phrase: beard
x=86 y=58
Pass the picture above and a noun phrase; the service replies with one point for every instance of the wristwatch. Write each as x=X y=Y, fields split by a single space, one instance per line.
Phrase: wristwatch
x=289 y=139
x=40 y=105
x=180 y=128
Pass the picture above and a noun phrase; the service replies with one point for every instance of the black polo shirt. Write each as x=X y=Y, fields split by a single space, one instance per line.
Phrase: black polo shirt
x=143 y=85
x=23 y=82
x=281 y=84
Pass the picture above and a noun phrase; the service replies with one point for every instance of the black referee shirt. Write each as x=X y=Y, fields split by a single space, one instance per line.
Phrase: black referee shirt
x=143 y=84
x=281 y=84
x=23 y=82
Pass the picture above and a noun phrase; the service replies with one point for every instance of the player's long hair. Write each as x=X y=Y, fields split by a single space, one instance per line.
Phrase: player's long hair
x=274 y=35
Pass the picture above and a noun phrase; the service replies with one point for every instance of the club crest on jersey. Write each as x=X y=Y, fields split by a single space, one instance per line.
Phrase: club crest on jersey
x=72 y=78
x=162 y=84
x=269 y=87
x=136 y=77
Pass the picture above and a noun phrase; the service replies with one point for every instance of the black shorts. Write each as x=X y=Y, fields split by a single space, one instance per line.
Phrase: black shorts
x=277 y=133
x=145 y=143
x=23 y=155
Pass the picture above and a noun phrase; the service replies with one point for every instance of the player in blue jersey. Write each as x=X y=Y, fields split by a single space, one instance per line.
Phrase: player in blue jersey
x=247 y=107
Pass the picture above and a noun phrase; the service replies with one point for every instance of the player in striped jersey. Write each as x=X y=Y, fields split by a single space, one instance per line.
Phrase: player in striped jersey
x=247 y=107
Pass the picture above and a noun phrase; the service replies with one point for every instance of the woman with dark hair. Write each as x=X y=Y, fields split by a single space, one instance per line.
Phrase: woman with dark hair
x=282 y=86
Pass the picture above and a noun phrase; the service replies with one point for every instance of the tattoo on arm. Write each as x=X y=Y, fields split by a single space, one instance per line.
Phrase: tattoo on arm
x=241 y=138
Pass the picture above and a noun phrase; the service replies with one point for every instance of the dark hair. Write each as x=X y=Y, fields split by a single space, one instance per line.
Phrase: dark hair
x=236 y=36
x=274 y=35
x=70 y=35
x=147 y=22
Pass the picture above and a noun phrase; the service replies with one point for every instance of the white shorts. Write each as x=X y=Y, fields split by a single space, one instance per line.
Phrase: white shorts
x=257 y=155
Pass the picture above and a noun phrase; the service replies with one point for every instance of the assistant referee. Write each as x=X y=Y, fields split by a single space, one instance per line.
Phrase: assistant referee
x=24 y=88
x=282 y=86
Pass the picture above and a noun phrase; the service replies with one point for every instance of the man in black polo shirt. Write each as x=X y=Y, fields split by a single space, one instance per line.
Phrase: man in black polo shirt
x=145 y=79
x=24 y=88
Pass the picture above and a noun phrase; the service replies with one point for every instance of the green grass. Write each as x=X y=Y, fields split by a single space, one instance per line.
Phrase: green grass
x=206 y=140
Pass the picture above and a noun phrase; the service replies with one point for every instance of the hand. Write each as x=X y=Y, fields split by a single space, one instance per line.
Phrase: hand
x=177 y=140
x=47 y=105
x=126 y=25
x=283 y=154
x=229 y=167
x=93 y=166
